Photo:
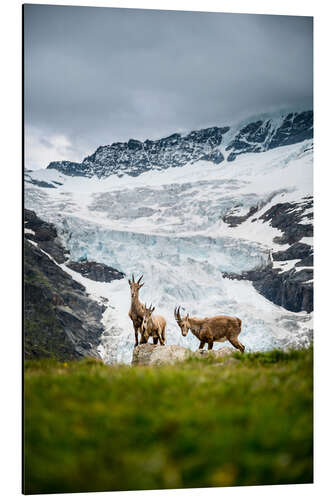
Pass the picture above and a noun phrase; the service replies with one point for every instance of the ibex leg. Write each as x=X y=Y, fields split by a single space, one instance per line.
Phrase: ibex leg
x=237 y=344
x=210 y=345
x=202 y=344
x=162 y=337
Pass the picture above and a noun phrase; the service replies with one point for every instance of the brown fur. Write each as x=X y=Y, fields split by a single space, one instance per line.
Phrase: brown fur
x=137 y=309
x=210 y=330
x=152 y=326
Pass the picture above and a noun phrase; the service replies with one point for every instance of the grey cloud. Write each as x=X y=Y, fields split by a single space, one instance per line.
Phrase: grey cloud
x=99 y=75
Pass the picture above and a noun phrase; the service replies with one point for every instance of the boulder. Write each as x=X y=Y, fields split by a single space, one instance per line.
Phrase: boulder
x=216 y=353
x=150 y=354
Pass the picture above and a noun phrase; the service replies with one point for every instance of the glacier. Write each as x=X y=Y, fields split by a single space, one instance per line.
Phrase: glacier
x=168 y=225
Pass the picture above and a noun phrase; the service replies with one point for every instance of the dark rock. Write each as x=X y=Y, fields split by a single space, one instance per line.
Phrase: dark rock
x=60 y=320
x=289 y=290
x=262 y=135
x=289 y=218
x=306 y=262
x=35 y=182
x=68 y=167
x=215 y=157
x=295 y=233
x=96 y=271
x=45 y=234
x=232 y=157
x=295 y=251
x=292 y=289
x=235 y=220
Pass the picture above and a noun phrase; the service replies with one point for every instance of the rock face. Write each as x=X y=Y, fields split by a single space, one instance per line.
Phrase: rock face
x=45 y=234
x=135 y=157
x=293 y=219
x=291 y=288
x=263 y=135
x=96 y=271
x=149 y=354
x=235 y=220
x=60 y=320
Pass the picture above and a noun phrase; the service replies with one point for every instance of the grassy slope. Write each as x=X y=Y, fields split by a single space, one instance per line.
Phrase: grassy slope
x=91 y=427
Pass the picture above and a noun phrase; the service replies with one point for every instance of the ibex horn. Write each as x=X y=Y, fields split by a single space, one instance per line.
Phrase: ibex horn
x=176 y=313
x=133 y=278
x=140 y=279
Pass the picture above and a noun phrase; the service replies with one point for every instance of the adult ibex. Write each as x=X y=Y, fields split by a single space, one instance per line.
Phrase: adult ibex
x=137 y=309
x=215 y=329
x=152 y=326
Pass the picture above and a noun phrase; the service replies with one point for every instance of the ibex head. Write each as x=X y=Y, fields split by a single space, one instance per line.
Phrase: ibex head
x=135 y=286
x=145 y=320
x=183 y=323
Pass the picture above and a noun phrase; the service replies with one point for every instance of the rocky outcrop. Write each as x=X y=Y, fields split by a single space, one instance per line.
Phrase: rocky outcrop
x=292 y=289
x=263 y=135
x=235 y=220
x=45 y=235
x=215 y=353
x=96 y=271
x=149 y=354
x=295 y=251
x=60 y=320
x=293 y=219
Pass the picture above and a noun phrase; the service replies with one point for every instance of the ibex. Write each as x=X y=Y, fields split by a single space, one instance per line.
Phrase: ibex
x=152 y=326
x=137 y=309
x=215 y=329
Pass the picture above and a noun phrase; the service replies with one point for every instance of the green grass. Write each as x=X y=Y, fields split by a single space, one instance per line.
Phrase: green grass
x=91 y=427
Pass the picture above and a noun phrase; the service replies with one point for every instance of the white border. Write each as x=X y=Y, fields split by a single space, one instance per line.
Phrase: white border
x=11 y=244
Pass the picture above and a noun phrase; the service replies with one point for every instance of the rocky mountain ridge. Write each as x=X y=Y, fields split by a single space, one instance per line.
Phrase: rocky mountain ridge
x=211 y=144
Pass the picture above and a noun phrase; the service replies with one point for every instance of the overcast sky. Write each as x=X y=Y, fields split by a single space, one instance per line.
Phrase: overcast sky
x=94 y=76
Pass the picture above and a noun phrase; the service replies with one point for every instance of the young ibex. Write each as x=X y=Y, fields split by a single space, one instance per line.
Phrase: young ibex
x=215 y=329
x=137 y=309
x=152 y=326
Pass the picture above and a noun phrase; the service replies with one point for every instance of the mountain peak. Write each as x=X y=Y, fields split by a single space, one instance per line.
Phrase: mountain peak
x=135 y=157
